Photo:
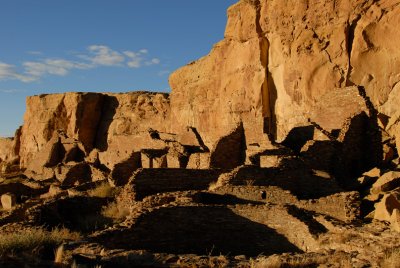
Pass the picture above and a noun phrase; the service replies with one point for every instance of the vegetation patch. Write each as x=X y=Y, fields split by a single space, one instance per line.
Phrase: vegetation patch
x=35 y=241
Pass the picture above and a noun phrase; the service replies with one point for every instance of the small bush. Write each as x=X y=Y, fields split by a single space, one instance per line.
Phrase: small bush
x=103 y=190
x=34 y=240
x=115 y=211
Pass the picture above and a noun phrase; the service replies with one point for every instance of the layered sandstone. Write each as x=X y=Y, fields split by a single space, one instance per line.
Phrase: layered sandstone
x=115 y=124
x=286 y=71
x=279 y=58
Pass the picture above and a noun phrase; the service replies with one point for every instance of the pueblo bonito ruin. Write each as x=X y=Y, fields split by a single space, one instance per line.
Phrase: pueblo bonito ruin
x=277 y=149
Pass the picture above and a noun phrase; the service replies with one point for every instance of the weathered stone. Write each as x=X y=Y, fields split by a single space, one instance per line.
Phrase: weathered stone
x=375 y=49
x=190 y=137
x=384 y=209
x=388 y=181
x=388 y=153
x=49 y=156
x=319 y=154
x=146 y=160
x=77 y=114
x=73 y=173
x=145 y=182
x=97 y=174
x=395 y=220
x=160 y=162
x=375 y=172
x=93 y=157
x=199 y=161
x=126 y=119
x=336 y=106
x=173 y=161
x=205 y=96
x=270 y=161
x=6 y=145
x=370 y=177
x=8 y=201
x=229 y=152
x=123 y=171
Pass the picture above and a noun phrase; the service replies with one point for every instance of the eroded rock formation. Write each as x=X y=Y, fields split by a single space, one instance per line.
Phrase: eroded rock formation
x=291 y=122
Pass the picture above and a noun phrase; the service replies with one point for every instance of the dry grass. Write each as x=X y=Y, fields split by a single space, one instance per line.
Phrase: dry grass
x=299 y=261
x=115 y=211
x=103 y=190
x=34 y=240
x=392 y=259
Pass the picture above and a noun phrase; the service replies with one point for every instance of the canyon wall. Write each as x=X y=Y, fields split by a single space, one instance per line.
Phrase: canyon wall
x=114 y=124
x=278 y=58
x=281 y=65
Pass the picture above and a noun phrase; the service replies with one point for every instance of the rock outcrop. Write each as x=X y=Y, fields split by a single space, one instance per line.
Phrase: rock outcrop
x=278 y=59
x=285 y=134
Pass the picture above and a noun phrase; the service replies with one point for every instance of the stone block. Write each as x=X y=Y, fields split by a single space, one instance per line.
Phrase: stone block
x=173 y=161
x=147 y=162
x=199 y=161
x=385 y=208
x=270 y=161
x=160 y=162
x=8 y=201
x=388 y=181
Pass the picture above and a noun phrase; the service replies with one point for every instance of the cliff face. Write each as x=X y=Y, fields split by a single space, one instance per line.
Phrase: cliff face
x=282 y=65
x=228 y=86
x=279 y=57
x=114 y=124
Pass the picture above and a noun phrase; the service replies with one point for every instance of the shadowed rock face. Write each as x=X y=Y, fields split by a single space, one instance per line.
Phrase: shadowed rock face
x=201 y=230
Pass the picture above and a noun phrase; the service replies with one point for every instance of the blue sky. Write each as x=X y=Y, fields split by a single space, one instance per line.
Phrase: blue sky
x=50 y=46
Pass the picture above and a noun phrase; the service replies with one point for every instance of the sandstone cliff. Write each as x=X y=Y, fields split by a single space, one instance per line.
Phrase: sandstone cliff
x=282 y=67
x=115 y=124
x=279 y=57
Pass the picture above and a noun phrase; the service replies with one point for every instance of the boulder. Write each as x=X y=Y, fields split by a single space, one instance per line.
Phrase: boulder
x=270 y=161
x=388 y=181
x=50 y=155
x=8 y=201
x=385 y=208
x=373 y=173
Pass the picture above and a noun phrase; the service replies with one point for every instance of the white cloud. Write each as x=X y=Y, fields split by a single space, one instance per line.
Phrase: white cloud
x=153 y=61
x=98 y=55
x=7 y=72
x=10 y=91
x=136 y=58
x=104 y=55
x=58 y=67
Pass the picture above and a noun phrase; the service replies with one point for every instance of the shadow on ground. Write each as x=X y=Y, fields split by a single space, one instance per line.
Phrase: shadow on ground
x=198 y=230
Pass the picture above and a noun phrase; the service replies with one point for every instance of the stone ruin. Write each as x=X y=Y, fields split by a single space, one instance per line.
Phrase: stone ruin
x=289 y=125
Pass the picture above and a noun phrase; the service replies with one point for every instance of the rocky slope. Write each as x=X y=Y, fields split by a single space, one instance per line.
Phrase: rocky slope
x=291 y=122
